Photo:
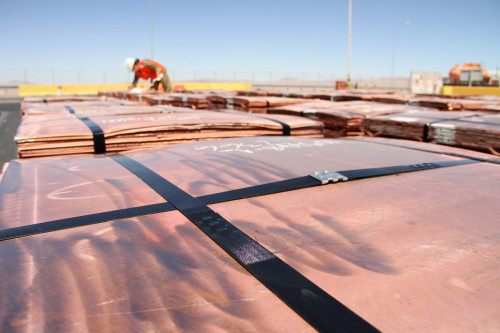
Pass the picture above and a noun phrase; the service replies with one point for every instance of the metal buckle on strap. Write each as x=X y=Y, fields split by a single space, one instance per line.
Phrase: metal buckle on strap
x=326 y=177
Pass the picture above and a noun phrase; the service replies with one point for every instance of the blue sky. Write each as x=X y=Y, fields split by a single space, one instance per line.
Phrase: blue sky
x=282 y=36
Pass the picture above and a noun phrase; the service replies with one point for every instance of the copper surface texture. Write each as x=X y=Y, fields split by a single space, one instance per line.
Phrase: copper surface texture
x=47 y=135
x=342 y=118
x=89 y=108
x=469 y=129
x=36 y=106
x=410 y=124
x=410 y=252
x=480 y=133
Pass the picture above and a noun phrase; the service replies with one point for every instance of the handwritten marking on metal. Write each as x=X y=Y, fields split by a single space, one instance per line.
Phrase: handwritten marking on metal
x=261 y=146
x=151 y=118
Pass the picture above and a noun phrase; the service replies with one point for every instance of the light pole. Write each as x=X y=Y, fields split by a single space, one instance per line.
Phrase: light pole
x=152 y=48
x=349 y=47
x=394 y=46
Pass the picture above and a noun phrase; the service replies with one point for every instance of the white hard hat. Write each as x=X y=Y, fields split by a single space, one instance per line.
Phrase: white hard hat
x=129 y=63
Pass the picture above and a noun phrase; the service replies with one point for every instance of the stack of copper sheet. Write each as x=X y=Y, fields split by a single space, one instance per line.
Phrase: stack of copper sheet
x=341 y=118
x=488 y=107
x=35 y=102
x=46 y=135
x=114 y=93
x=160 y=98
x=104 y=106
x=478 y=104
x=441 y=103
x=412 y=124
x=251 y=93
x=356 y=95
x=403 y=252
x=259 y=104
x=486 y=103
x=211 y=91
x=140 y=96
x=390 y=98
x=277 y=93
x=299 y=94
x=339 y=95
x=251 y=104
x=219 y=101
x=194 y=101
x=52 y=99
x=469 y=129
x=481 y=132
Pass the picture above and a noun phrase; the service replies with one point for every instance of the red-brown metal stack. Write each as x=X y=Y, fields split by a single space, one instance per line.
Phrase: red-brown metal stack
x=413 y=251
x=342 y=118
x=128 y=127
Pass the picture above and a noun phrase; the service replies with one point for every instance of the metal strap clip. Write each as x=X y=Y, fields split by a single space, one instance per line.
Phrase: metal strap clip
x=328 y=176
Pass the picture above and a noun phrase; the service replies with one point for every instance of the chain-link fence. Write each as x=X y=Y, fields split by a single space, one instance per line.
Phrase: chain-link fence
x=277 y=79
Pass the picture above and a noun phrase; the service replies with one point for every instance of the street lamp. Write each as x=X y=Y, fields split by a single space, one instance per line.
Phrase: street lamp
x=152 y=28
x=394 y=44
x=349 y=47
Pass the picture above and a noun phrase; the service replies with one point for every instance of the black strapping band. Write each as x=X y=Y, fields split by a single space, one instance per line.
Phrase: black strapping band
x=286 y=130
x=97 y=132
x=243 y=193
x=314 y=305
x=318 y=308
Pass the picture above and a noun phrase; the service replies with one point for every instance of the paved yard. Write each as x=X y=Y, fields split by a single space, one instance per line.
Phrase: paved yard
x=10 y=117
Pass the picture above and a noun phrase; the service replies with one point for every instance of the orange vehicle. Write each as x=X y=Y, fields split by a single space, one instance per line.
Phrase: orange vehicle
x=469 y=74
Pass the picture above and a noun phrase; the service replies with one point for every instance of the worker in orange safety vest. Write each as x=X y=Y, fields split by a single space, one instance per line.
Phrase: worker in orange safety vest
x=148 y=69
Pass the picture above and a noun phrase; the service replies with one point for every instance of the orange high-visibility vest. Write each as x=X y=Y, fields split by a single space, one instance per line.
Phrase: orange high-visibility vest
x=145 y=72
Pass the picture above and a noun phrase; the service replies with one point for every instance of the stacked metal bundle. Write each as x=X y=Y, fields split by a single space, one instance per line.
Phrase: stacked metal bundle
x=489 y=107
x=477 y=104
x=65 y=98
x=341 y=118
x=75 y=133
x=252 y=93
x=441 y=103
x=140 y=96
x=160 y=98
x=93 y=107
x=122 y=94
x=218 y=101
x=412 y=125
x=390 y=98
x=481 y=132
x=470 y=129
x=445 y=103
x=259 y=104
x=35 y=103
x=339 y=95
x=194 y=101
x=251 y=234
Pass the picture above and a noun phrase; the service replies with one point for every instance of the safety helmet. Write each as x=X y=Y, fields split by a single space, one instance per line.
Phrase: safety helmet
x=129 y=63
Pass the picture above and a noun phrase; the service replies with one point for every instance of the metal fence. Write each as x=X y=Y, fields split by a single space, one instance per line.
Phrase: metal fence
x=10 y=77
